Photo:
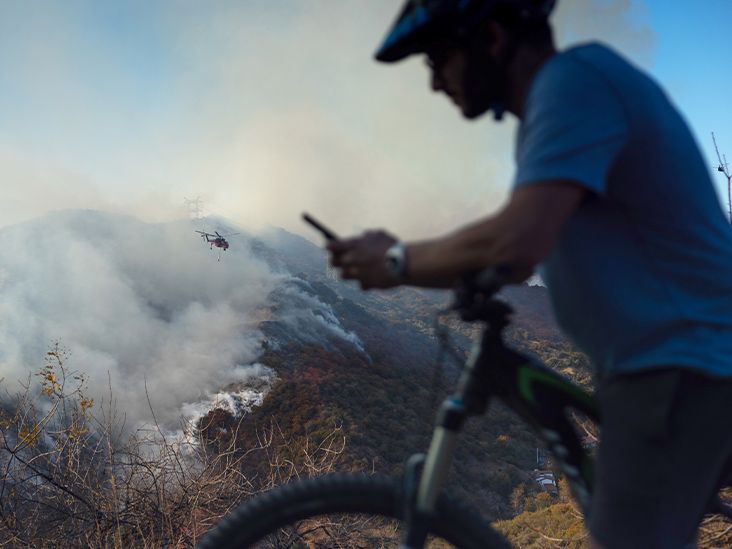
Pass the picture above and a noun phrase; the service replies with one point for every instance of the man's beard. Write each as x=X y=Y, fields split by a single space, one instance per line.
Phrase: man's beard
x=484 y=85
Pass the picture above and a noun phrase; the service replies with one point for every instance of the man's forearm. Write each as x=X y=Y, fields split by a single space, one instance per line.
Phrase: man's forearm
x=521 y=236
x=438 y=263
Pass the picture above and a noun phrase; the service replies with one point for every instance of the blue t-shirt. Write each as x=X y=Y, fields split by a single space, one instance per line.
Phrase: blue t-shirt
x=641 y=276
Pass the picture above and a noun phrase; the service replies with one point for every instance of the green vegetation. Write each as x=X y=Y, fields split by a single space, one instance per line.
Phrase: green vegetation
x=557 y=525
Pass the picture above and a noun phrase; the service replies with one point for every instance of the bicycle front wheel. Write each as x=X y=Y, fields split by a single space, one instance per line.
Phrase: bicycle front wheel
x=342 y=510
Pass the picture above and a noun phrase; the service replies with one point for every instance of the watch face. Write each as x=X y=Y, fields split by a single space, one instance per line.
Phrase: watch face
x=392 y=265
x=394 y=262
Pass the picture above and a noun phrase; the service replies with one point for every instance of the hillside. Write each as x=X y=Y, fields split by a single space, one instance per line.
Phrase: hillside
x=285 y=371
x=384 y=395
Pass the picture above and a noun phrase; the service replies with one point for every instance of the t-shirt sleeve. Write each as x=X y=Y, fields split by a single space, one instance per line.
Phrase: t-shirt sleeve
x=574 y=127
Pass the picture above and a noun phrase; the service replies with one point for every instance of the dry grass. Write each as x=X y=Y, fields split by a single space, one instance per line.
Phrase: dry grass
x=72 y=476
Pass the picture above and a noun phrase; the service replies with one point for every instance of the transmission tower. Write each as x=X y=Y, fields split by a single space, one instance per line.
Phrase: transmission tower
x=195 y=207
x=724 y=168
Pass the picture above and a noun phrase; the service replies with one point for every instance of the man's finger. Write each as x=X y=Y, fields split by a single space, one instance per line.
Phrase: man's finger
x=349 y=258
x=349 y=273
x=343 y=259
x=339 y=246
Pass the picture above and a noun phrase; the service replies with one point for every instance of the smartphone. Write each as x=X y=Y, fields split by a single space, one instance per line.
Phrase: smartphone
x=327 y=233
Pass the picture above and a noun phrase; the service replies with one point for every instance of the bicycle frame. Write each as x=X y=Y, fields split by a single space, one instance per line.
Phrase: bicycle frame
x=540 y=396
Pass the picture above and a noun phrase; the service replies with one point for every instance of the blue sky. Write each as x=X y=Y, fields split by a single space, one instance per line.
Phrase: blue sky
x=692 y=59
x=268 y=108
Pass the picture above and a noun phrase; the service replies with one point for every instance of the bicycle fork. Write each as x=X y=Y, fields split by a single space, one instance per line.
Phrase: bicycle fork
x=425 y=476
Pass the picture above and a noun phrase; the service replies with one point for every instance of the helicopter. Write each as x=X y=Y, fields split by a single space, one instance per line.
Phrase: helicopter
x=217 y=240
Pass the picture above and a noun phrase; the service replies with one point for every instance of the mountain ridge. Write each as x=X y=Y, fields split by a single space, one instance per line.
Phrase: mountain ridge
x=360 y=361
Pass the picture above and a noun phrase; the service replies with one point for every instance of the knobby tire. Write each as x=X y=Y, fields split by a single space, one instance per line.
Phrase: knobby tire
x=337 y=494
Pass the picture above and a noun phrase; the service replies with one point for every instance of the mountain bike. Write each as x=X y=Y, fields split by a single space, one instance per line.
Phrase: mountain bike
x=413 y=511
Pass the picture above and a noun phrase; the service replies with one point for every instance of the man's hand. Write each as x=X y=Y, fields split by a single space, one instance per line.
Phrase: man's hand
x=362 y=258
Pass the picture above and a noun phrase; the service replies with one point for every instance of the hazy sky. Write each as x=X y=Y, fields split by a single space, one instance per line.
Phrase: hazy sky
x=265 y=109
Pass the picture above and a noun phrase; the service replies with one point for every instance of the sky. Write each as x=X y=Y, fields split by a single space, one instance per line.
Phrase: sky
x=267 y=109
x=263 y=109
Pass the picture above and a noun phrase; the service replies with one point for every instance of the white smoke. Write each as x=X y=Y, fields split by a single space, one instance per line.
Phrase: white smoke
x=253 y=383
x=254 y=100
x=310 y=318
x=620 y=23
x=147 y=308
x=264 y=108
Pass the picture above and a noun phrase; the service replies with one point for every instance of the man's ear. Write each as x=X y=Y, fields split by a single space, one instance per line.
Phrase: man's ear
x=494 y=38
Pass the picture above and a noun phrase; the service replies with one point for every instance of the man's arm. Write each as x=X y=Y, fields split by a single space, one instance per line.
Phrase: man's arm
x=521 y=235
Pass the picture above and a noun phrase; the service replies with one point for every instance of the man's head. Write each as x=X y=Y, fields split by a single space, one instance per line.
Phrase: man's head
x=469 y=45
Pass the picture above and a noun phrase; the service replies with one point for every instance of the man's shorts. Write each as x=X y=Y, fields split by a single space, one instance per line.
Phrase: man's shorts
x=665 y=447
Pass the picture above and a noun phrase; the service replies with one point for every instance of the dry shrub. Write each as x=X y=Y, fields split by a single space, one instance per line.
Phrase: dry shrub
x=72 y=476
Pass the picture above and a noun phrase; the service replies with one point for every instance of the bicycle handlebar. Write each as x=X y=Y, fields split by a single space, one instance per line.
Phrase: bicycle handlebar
x=491 y=279
x=474 y=295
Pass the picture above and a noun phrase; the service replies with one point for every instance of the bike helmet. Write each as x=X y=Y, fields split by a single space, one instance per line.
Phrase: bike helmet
x=423 y=20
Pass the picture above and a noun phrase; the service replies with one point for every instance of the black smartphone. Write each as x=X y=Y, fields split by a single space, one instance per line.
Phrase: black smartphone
x=327 y=233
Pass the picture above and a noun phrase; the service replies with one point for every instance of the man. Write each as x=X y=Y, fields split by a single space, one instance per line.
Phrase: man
x=613 y=201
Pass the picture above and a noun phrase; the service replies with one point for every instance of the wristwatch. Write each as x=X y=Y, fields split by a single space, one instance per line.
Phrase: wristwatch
x=395 y=261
